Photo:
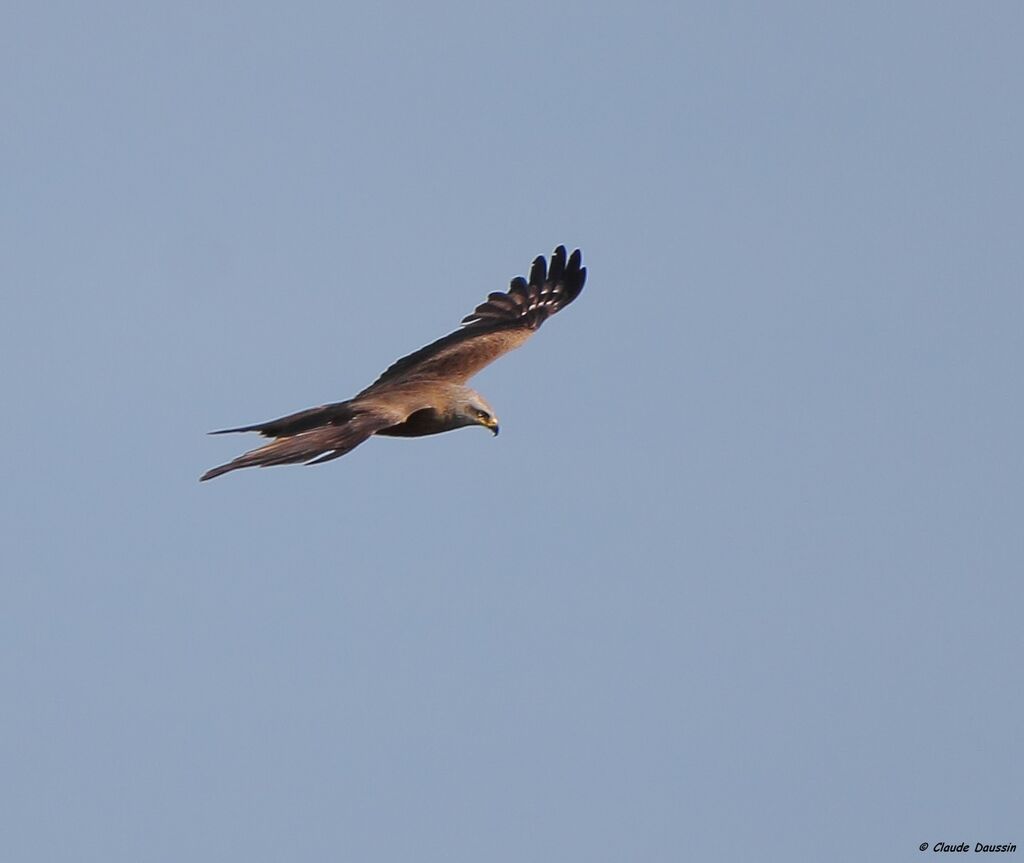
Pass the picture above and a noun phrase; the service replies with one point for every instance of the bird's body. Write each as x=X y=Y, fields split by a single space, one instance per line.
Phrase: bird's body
x=425 y=392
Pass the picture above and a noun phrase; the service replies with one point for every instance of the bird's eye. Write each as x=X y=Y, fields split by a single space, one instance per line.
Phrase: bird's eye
x=482 y=415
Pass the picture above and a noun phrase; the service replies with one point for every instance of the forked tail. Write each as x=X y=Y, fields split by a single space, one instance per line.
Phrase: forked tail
x=309 y=447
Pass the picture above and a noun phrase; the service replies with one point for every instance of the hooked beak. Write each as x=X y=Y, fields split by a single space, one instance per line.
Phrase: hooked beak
x=492 y=424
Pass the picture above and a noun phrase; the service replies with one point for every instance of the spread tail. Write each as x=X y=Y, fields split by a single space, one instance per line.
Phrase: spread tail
x=310 y=447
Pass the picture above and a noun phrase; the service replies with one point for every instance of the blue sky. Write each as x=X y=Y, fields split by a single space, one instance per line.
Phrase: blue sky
x=741 y=577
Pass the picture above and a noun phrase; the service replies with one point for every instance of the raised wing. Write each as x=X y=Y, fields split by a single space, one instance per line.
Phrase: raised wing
x=503 y=322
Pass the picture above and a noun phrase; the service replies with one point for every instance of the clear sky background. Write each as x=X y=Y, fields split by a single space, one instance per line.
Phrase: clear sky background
x=741 y=577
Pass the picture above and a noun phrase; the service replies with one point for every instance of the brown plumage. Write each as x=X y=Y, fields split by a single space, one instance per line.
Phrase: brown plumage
x=425 y=392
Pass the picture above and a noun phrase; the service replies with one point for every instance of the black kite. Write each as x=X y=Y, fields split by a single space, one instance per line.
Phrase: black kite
x=423 y=393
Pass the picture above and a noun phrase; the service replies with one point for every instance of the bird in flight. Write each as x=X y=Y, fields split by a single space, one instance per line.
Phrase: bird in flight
x=424 y=393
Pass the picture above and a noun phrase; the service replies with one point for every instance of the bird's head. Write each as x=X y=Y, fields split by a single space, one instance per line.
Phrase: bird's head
x=476 y=411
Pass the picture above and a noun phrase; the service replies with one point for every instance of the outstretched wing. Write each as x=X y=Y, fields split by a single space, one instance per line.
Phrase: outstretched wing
x=502 y=323
x=293 y=424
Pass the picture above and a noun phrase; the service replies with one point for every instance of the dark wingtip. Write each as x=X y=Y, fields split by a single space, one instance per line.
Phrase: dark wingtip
x=539 y=271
